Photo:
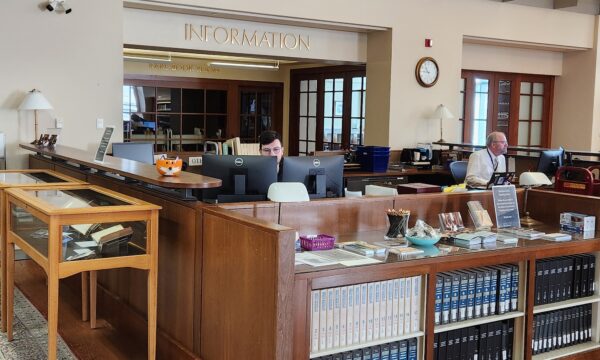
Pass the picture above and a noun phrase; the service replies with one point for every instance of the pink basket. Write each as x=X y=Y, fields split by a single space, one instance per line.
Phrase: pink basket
x=317 y=242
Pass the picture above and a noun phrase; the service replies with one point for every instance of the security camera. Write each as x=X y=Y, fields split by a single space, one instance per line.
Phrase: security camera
x=51 y=5
x=65 y=7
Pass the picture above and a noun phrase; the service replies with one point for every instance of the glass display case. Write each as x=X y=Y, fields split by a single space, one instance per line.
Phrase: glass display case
x=25 y=179
x=70 y=230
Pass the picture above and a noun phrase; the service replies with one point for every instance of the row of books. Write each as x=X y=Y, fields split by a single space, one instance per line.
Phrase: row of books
x=397 y=350
x=562 y=328
x=356 y=314
x=563 y=278
x=486 y=341
x=466 y=294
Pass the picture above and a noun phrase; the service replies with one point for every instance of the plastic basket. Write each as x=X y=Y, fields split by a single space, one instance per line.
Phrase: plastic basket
x=317 y=242
x=373 y=158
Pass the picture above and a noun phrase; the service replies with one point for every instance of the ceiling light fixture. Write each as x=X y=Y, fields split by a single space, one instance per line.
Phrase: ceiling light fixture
x=148 y=59
x=271 y=66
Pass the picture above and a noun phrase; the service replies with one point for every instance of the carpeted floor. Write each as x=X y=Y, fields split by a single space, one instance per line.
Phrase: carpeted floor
x=30 y=340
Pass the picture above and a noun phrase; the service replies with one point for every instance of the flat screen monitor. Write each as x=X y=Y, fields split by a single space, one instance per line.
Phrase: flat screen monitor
x=138 y=151
x=323 y=176
x=550 y=161
x=244 y=177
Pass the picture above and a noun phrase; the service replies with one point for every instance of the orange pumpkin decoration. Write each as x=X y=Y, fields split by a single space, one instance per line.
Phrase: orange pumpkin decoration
x=169 y=166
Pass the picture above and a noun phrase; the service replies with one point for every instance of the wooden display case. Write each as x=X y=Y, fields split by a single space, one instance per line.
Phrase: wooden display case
x=70 y=230
x=25 y=179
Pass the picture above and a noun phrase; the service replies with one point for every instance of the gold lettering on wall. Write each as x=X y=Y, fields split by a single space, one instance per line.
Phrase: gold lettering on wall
x=247 y=38
x=183 y=67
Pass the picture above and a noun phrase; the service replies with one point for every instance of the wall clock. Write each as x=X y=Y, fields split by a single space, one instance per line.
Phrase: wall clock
x=427 y=72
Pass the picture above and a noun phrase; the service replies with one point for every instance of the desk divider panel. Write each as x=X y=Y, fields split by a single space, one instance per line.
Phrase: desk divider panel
x=247 y=287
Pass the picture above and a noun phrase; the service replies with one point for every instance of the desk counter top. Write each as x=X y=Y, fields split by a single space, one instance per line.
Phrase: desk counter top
x=393 y=172
x=131 y=169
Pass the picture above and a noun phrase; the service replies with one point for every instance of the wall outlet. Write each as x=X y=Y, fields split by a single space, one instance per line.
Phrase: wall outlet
x=99 y=123
x=195 y=161
x=58 y=123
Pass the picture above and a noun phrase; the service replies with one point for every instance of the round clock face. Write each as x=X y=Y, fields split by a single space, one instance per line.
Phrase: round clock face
x=427 y=72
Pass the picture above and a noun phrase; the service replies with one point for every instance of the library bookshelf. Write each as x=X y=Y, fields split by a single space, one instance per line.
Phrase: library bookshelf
x=249 y=280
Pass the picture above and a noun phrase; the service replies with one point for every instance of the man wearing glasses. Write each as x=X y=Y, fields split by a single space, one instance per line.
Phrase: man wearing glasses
x=484 y=163
x=270 y=145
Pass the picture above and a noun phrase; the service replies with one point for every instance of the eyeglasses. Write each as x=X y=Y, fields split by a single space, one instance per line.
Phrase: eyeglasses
x=274 y=151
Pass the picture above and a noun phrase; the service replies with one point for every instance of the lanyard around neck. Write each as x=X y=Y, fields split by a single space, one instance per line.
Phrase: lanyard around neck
x=495 y=166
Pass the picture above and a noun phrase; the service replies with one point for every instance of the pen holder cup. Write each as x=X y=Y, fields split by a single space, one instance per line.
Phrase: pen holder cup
x=398 y=225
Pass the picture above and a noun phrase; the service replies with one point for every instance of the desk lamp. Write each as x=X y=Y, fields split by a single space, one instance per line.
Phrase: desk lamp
x=35 y=100
x=442 y=112
x=529 y=180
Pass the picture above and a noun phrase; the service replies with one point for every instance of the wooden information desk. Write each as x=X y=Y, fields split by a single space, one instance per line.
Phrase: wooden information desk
x=250 y=283
x=55 y=226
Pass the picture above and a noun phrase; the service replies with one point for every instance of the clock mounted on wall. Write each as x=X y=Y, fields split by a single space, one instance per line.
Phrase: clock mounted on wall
x=427 y=72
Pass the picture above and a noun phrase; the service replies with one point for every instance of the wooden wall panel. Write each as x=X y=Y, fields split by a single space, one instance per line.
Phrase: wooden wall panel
x=337 y=216
x=546 y=206
x=247 y=282
x=266 y=210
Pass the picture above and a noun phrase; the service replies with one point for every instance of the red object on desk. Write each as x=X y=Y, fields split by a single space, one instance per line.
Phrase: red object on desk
x=418 y=188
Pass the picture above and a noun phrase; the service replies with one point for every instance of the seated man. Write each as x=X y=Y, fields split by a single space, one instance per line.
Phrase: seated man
x=270 y=145
x=485 y=162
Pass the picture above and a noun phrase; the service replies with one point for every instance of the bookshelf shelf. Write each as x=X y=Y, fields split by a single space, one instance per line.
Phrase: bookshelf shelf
x=478 y=321
x=417 y=335
x=566 y=304
x=571 y=350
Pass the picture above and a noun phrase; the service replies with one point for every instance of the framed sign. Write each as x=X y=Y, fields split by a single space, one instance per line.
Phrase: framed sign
x=103 y=147
x=506 y=206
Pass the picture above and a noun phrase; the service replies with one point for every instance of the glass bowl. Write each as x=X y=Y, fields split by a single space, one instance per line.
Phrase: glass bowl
x=423 y=241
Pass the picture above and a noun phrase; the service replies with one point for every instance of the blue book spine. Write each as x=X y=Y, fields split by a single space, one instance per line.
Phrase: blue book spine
x=493 y=291
x=403 y=350
x=471 y=295
x=446 y=299
x=487 y=284
x=502 y=291
x=439 y=286
x=394 y=347
x=412 y=349
x=462 y=296
x=514 y=289
x=385 y=352
x=454 y=297
x=479 y=288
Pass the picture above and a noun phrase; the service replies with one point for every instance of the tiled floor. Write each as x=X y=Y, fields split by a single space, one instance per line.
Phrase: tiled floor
x=30 y=339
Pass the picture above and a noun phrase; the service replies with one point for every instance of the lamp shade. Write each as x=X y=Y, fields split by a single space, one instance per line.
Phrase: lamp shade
x=442 y=112
x=35 y=100
x=529 y=178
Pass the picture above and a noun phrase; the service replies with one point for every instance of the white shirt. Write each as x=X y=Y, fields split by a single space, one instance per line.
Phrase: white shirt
x=482 y=164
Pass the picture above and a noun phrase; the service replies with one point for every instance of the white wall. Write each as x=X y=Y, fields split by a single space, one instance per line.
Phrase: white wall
x=74 y=59
x=510 y=59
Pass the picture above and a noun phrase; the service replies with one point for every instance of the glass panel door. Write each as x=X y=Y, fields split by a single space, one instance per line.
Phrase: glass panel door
x=480 y=111
x=357 y=110
x=307 y=116
x=333 y=112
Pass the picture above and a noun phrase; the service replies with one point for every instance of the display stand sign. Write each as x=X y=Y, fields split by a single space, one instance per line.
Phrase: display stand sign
x=506 y=206
x=103 y=147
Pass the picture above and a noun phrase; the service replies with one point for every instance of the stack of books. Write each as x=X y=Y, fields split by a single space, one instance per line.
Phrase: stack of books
x=557 y=237
x=362 y=248
x=404 y=349
x=524 y=233
x=564 y=278
x=486 y=341
x=562 y=328
x=473 y=238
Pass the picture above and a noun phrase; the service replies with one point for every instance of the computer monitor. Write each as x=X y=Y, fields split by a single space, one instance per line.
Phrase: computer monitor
x=550 y=161
x=323 y=176
x=138 y=151
x=244 y=177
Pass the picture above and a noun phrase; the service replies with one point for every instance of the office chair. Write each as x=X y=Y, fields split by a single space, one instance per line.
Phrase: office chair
x=459 y=171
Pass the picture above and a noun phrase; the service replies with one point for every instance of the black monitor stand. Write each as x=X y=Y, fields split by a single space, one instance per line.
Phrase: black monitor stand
x=239 y=192
x=319 y=182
